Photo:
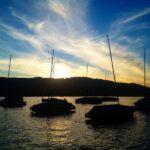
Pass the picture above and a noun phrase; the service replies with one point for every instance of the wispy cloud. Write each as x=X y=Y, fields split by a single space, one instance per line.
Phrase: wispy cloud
x=64 y=28
x=124 y=29
x=33 y=40
x=59 y=8
x=136 y=16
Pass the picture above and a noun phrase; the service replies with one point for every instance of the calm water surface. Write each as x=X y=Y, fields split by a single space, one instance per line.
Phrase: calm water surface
x=19 y=130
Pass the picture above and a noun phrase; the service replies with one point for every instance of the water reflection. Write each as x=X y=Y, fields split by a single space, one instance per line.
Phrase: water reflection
x=58 y=130
x=19 y=130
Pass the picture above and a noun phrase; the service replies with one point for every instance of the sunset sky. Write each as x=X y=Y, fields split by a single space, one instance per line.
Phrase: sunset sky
x=76 y=30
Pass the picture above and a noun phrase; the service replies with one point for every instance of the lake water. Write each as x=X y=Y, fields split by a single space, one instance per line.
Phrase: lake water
x=20 y=130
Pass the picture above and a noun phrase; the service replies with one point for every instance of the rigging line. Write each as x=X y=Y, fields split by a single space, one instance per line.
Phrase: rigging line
x=9 y=66
x=144 y=67
x=52 y=64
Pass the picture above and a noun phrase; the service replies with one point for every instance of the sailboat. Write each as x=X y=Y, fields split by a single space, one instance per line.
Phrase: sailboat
x=89 y=100
x=114 y=112
x=12 y=101
x=86 y=99
x=52 y=106
x=144 y=103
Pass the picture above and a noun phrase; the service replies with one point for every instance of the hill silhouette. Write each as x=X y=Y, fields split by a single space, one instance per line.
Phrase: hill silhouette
x=75 y=86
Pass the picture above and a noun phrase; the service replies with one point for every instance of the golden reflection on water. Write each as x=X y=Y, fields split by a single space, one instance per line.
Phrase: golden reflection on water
x=58 y=130
x=129 y=101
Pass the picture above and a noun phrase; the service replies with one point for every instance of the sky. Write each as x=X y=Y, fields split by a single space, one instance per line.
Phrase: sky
x=76 y=30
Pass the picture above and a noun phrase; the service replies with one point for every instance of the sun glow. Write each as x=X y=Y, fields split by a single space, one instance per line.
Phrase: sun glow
x=61 y=71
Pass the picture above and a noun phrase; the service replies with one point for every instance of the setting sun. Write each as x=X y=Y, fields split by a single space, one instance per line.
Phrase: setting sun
x=61 y=71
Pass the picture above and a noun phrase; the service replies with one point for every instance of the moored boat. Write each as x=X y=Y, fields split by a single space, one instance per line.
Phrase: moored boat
x=12 y=101
x=88 y=100
x=115 y=112
x=52 y=107
x=109 y=99
x=143 y=104
x=111 y=113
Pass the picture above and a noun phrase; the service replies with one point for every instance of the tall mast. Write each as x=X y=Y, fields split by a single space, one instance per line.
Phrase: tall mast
x=110 y=53
x=144 y=67
x=53 y=68
x=9 y=66
x=111 y=58
x=87 y=67
x=105 y=76
x=52 y=64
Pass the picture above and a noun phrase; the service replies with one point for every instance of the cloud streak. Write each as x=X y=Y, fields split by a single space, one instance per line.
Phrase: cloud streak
x=64 y=28
x=136 y=16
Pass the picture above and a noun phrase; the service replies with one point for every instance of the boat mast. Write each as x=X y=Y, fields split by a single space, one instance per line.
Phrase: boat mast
x=110 y=53
x=105 y=76
x=111 y=58
x=53 y=68
x=144 y=67
x=87 y=67
x=9 y=66
x=52 y=60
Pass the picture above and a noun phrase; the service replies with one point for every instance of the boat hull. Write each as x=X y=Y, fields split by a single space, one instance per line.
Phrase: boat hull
x=109 y=99
x=52 y=107
x=111 y=113
x=143 y=104
x=88 y=100
x=10 y=102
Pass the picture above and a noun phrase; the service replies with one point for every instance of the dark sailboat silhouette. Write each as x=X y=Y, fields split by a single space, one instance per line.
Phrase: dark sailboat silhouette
x=113 y=70
x=144 y=103
x=88 y=100
x=52 y=106
x=12 y=101
x=115 y=112
x=110 y=113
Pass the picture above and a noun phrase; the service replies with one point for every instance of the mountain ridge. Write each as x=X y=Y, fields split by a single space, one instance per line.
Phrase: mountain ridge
x=74 y=86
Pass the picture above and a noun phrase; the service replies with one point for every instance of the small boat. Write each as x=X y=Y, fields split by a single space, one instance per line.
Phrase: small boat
x=12 y=101
x=143 y=104
x=52 y=107
x=52 y=98
x=88 y=100
x=115 y=112
x=111 y=113
x=109 y=99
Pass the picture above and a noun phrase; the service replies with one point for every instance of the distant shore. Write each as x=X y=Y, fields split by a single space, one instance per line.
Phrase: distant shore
x=75 y=86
